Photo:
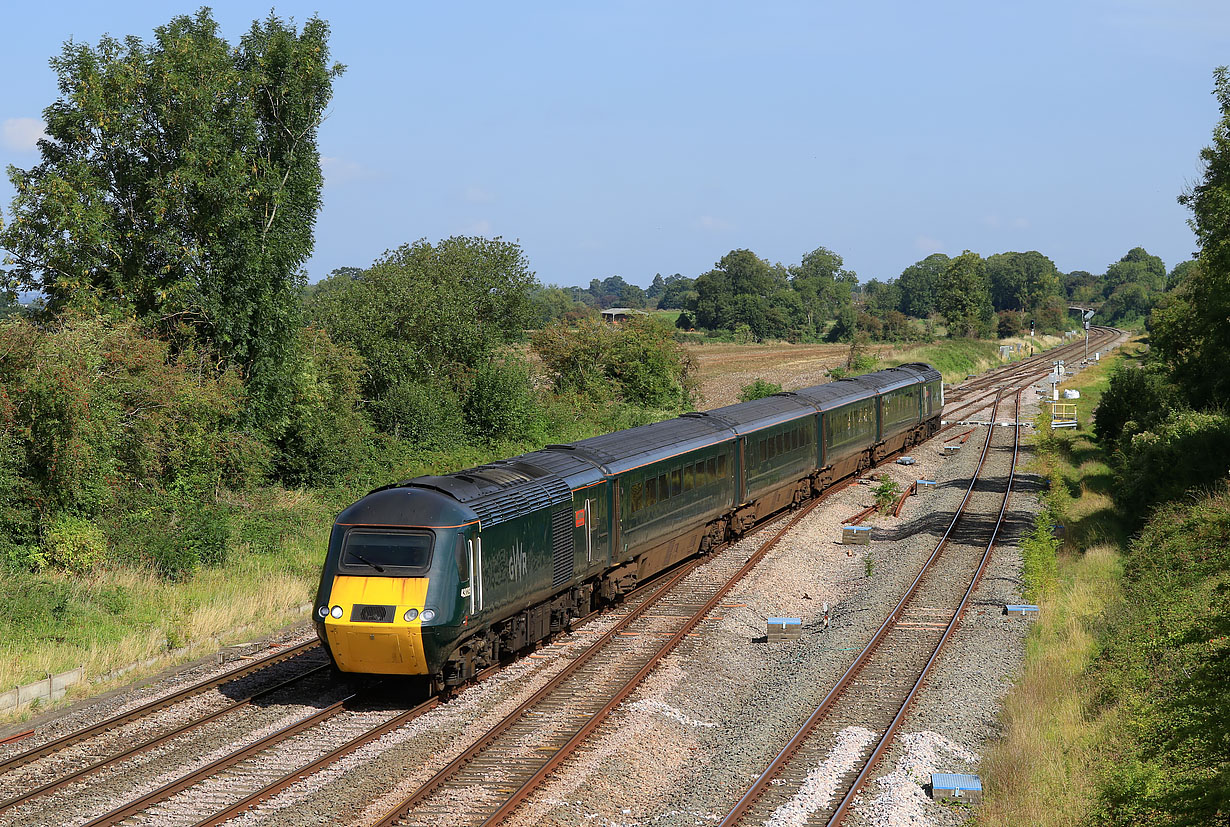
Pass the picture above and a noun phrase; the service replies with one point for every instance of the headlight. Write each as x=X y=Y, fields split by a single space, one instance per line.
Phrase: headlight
x=411 y=614
x=336 y=611
x=429 y=615
x=322 y=612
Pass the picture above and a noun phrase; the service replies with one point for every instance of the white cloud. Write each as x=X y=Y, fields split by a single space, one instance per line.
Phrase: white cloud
x=478 y=195
x=708 y=222
x=929 y=245
x=339 y=170
x=481 y=227
x=22 y=134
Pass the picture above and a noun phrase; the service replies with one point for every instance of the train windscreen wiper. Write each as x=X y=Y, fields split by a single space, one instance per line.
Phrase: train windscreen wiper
x=363 y=559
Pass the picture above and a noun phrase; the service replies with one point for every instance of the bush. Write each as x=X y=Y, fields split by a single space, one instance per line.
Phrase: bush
x=758 y=390
x=638 y=361
x=1137 y=399
x=1188 y=450
x=1164 y=668
x=325 y=435
x=429 y=416
x=74 y=544
x=500 y=402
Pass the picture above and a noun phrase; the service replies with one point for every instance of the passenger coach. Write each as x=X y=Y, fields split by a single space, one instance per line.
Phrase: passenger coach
x=441 y=576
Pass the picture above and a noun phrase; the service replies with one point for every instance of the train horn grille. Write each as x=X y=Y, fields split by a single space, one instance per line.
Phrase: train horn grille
x=372 y=614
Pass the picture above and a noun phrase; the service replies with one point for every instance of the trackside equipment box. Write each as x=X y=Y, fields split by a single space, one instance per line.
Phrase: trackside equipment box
x=856 y=535
x=784 y=628
x=947 y=786
x=1021 y=609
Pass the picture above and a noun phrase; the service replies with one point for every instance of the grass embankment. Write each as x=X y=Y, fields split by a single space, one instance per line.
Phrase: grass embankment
x=958 y=358
x=1120 y=715
x=1042 y=771
x=52 y=620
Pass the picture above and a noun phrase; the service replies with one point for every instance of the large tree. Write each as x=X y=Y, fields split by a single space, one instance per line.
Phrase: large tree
x=1021 y=281
x=964 y=296
x=180 y=178
x=743 y=288
x=1191 y=332
x=1136 y=266
x=918 y=284
x=823 y=285
x=426 y=317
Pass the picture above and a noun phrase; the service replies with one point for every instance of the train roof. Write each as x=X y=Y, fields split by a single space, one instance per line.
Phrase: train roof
x=405 y=507
x=835 y=394
x=500 y=490
x=891 y=379
x=624 y=450
x=746 y=417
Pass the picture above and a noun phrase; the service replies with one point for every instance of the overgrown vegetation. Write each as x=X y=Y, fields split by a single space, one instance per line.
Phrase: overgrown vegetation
x=758 y=389
x=1138 y=677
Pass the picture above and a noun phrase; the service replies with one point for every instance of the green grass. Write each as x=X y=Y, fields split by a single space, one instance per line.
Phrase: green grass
x=1044 y=767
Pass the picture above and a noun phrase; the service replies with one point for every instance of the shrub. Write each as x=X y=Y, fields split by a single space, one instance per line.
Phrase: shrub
x=1137 y=399
x=74 y=544
x=638 y=361
x=325 y=435
x=1190 y=449
x=500 y=402
x=426 y=415
x=758 y=390
x=886 y=492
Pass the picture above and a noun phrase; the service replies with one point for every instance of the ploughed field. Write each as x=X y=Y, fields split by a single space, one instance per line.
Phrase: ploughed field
x=725 y=368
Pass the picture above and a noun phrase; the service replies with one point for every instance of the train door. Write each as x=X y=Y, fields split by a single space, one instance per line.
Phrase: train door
x=590 y=533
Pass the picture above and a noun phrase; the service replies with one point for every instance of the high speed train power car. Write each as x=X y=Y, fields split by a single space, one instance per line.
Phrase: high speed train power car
x=442 y=576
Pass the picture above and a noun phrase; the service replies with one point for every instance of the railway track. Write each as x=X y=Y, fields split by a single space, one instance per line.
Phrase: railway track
x=487 y=782
x=69 y=759
x=863 y=710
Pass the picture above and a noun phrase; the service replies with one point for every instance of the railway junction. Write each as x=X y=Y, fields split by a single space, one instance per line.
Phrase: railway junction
x=671 y=708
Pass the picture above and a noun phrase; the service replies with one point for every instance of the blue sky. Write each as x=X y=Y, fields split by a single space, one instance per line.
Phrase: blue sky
x=637 y=138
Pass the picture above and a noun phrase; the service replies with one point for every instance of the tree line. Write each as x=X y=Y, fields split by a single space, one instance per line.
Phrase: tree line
x=819 y=299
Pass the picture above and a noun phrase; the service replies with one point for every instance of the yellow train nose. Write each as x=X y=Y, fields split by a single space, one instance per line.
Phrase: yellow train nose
x=372 y=635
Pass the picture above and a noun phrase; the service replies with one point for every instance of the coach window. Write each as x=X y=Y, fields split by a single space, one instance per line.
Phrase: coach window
x=635 y=499
x=689 y=477
x=780 y=445
x=721 y=467
x=676 y=482
x=663 y=488
x=651 y=491
x=711 y=473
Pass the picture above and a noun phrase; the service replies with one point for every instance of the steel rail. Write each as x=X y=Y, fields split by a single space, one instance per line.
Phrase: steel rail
x=186 y=781
x=153 y=706
x=441 y=778
x=150 y=743
x=294 y=776
x=887 y=737
x=787 y=752
x=560 y=755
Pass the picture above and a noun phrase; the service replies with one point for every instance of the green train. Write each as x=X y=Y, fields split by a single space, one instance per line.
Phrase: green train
x=442 y=576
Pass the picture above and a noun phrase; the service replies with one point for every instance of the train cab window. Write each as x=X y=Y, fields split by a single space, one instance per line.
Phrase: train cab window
x=386 y=551
x=711 y=473
x=634 y=501
x=676 y=482
x=463 y=559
